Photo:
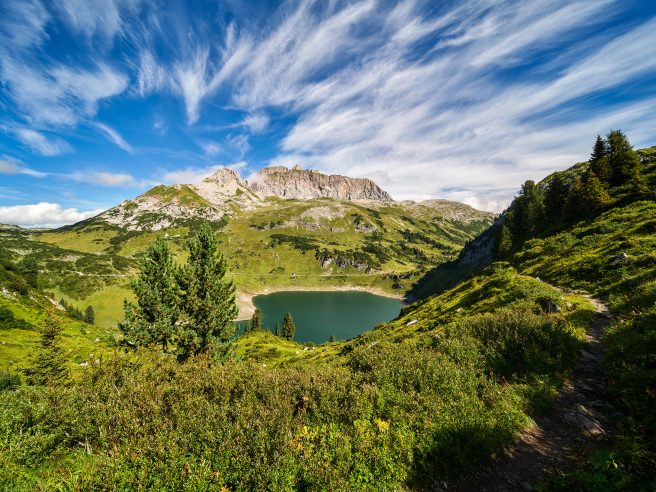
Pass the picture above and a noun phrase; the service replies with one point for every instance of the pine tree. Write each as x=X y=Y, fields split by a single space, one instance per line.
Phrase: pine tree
x=555 y=197
x=278 y=332
x=599 y=160
x=29 y=270
x=89 y=316
x=152 y=320
x=504 y=242
x=209 y=298
x=256 y=320
x=622 y=159
x=332 y=339
x=288 y=327
x=587 y=196
x=639 y=186
x=49 y=366
x=528 y=211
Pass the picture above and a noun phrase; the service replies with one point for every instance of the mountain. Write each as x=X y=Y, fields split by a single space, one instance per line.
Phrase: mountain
x=225 y=192
x=304 y=184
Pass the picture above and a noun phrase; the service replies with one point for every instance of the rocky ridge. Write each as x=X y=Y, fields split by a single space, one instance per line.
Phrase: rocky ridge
x=305 y=184
x=225 y=193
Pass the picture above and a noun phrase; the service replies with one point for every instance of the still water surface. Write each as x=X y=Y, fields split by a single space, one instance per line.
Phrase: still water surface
x=318 y=315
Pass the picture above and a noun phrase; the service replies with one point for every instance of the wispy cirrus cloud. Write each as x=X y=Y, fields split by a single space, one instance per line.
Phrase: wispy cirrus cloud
x=40 y=143
x=114 y=137
x=12 y=166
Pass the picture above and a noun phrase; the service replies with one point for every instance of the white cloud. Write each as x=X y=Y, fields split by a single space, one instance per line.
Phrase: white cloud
x=43 y=214
x=11 y=166
x=210 y=148
x=191 y=175
x=101 y=178
x=114 y=136
x=256 y=122
x=151 y=77
x=42 y=144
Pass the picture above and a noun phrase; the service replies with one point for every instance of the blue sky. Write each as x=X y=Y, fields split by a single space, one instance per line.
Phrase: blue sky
x=102 y=99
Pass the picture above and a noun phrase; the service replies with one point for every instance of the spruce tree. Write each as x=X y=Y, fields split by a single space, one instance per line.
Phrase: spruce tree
x=622 y=159
x=504 y=242
x=555 y=197
x=209 y=298
x=256 y=320
x=639 y=186
x=288 y=327
x=152 y=320
x=89 y=315
x=528 y=211
x=29 y=270
x=49 y=366
x=332 y=339
x=599 y=160
x=278 y=333
x=587 y=196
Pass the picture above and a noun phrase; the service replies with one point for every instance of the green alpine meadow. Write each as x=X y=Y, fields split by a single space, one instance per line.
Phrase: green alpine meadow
x=173 y=396
x=327 y=246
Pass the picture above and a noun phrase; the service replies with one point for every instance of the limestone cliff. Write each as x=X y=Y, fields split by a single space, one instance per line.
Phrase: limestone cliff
x=304 y=184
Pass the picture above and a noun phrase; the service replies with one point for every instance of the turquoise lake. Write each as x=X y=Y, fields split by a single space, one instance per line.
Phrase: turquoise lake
x=318 y=315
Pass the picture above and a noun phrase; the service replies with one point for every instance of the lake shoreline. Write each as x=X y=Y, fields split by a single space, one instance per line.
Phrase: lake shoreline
x=247 y=308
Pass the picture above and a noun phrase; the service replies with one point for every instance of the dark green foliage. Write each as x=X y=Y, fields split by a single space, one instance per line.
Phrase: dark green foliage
x=278 y=331
x=586 y=197
x=9 y=321
x=49 y=367
x=622 y=159
x=528 y=211
x=71 y=310
x=639 y=187
x=208 y=298
x=152 y=319
x=599 y=163
x=29 y=269
x=256 y=320
x=504 y=242
x=288 y=327
x=89 y=315
x=555 y=198
x=9 y=381
x=332 y=339
x=301 y=243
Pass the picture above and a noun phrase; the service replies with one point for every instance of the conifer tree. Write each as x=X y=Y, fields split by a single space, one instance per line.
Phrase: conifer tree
x=278 y=333
x=528 y=211
x=256 y=320
x=29 y=270
x=587 y=196
x=288 y=327
x=208 y=305
x=49 y=366
x=89 y=315
x=639 y=186
x=504 y=242
x=599 y=160
x=332 y=339
x=555 y=198
x=152 y=320
x=622 y=159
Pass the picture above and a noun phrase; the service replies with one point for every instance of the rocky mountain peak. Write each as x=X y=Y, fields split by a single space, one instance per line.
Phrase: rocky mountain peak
x=305 y=184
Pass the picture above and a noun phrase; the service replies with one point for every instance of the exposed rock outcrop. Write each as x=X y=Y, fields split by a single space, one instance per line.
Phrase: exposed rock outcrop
x=304 y=184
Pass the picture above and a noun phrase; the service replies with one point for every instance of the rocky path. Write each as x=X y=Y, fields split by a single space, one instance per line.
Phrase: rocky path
x=575 y=420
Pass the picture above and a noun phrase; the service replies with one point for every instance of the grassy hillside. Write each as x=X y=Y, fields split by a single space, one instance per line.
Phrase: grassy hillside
x=398 y=407
x=320 y=243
